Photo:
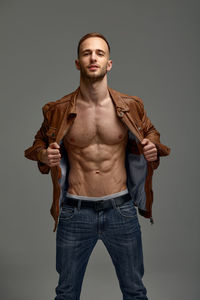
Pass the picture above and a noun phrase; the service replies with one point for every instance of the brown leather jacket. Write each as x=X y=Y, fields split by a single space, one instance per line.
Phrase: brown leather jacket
x=59 y=116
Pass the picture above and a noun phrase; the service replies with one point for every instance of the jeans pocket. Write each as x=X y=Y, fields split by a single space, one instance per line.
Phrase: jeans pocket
x=67 y=212
x=127 y=209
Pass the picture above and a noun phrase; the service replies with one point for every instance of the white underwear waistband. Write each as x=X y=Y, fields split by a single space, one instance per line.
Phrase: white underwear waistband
x=107 y=197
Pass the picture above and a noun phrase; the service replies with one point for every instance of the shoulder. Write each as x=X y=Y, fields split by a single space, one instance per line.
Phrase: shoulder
x=59 y=104
x=126 y=96
x=131 y=99
x=136 y=99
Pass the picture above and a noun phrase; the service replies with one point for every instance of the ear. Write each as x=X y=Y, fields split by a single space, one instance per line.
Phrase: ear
x=77 y=64
x=109 y=65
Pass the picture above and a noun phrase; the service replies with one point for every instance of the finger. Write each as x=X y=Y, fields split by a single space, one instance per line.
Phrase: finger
x=53 y=151
x=149 y=146
x=54 y=164
x=144 y=141
x=53 y=160
x=151 y=151
x=54 y=155
x=54 y=145
x=146 y=148
x=151 y=157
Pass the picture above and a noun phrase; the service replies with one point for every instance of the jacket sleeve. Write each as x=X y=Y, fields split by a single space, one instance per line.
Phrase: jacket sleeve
x=40 y=142
x=151 y=133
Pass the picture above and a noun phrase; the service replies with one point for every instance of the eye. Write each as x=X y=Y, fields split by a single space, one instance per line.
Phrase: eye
x=100 y=53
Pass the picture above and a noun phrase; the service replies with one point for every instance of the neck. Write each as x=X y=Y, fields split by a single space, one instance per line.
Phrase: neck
x=94 y=92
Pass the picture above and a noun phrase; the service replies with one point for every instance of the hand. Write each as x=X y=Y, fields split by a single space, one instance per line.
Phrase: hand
x=51 y=156
x=150 y=151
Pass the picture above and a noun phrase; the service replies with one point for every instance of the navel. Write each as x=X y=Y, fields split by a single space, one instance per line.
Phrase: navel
x=97 y=171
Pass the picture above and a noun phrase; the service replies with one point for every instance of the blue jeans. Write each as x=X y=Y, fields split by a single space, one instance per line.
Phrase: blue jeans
x=78 y=232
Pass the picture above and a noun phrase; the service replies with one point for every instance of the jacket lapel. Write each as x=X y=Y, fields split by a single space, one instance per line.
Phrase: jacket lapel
x=123 y=112
x=68 y=116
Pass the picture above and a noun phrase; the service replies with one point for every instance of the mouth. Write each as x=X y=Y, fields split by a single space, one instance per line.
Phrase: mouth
x=93 y=67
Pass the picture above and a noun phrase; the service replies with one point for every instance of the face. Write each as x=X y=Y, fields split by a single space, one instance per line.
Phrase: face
x=93 y=61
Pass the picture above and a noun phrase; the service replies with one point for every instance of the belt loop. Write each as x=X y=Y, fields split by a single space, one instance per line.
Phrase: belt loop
x=79 y=204
x=113 y=203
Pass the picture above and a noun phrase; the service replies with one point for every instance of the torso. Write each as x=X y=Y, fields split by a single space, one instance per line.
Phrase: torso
x=96 y=145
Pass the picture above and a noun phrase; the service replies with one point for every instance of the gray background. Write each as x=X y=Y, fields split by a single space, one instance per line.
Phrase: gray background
x=155 y=53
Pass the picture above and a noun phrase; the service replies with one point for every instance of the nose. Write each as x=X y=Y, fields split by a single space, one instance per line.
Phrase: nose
x=93 y=56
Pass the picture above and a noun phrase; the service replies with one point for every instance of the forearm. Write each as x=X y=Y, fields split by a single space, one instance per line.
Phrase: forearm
x=151 y=133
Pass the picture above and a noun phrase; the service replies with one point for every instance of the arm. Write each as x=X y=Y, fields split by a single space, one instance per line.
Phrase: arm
x=40 y=143
x=46 y=155
x=151 y=133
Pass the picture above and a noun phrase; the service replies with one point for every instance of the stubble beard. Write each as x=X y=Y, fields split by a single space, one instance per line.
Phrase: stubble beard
x=92 y=77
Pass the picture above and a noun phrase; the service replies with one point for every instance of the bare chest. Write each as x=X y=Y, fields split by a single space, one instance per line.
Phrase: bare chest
x=96 y=124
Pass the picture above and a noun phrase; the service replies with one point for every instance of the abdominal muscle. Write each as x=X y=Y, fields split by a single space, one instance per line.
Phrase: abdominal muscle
x=97 y=170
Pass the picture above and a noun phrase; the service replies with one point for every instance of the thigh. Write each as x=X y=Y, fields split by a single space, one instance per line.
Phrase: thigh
x=75 y=236
x=75 y=225
x=122 y=238
x=75 y=240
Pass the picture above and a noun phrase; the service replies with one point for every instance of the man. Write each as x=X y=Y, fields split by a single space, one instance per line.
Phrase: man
x=101 y=149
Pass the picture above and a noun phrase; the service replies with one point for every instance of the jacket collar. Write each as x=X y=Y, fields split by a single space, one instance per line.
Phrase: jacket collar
x=115 y=95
